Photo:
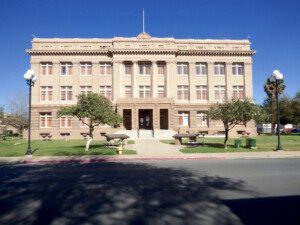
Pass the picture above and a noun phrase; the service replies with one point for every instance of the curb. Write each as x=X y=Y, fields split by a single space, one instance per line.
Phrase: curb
x=118 y=160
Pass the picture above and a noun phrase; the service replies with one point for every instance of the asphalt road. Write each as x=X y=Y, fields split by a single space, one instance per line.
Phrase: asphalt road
x=218 y=192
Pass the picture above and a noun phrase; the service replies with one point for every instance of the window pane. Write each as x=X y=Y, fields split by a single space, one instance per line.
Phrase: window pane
x=50 y=70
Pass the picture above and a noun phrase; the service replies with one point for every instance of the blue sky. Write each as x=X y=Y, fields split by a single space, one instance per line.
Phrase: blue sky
x=273 y=28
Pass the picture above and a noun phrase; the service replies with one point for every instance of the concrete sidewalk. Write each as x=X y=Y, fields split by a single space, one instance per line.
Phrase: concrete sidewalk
x=151 y=149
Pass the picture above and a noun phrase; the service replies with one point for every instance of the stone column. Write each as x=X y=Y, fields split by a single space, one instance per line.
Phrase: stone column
x=116 y=80
x=95 y=78
x=229 y=80
x=56 y=82
x=192 y=81
x=134 y=84
x=210 y=83
x=171 y=79
x=75 y=80
x=154 y=80
x=248 y=88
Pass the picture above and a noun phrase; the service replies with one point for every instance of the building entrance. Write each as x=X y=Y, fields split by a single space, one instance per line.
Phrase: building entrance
x=127 y=119
x=164 y=119
x=145 y=119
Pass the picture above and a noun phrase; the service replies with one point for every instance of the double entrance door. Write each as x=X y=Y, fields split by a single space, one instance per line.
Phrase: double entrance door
x=145 y=119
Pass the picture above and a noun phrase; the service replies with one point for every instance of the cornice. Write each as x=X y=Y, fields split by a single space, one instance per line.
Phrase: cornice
x=110 y=52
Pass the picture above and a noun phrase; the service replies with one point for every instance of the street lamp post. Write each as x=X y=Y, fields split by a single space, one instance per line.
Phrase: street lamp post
x=276 y=77
x=31 y=79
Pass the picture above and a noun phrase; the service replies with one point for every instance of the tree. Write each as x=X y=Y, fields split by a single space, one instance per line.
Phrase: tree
x=97 y=109
x=286 y=110
x=18 y=108
x=234 y=112
x=296 y=108
x=270 y=89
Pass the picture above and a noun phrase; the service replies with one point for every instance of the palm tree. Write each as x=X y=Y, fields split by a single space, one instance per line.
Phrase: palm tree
x=270 y=89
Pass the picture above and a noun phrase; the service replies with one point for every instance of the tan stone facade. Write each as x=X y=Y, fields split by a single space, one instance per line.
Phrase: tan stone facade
x=154 y=83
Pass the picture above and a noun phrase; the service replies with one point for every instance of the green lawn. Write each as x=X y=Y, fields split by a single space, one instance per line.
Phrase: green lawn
x=17 y=147
x=264 y=143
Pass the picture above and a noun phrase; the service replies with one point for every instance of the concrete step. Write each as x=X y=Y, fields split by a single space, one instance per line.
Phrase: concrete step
x=131 y=133
x=145 y=134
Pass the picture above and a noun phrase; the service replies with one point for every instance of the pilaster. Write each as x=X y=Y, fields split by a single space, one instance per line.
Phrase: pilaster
x=154 y=79
x=229 y=80
x=134 y=79
x=192 y=81
x=210 y=83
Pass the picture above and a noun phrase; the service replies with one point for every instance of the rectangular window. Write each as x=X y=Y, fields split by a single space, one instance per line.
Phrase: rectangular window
x=161 y=69
x=105 y=69
x=66 y=93
x=85 y=122
x=182 y=69
x=66 y=68
x=201 y=92
x=46 y=93
x=161 y=91
x=45 y=120
x=183 y=118
x=128 y=69
x=238 y=92
x=144 y=91
x=47 y=68
x=144 y=69
x=201 y=69
x=65 y=121
x=105 y=91
x=201 y=118
x=182 y=92
x=219 y=123
x=237 y=69
x=220 y=93
x=85 y=69
x=128 y=92
x=219 y=69
x=85 y=89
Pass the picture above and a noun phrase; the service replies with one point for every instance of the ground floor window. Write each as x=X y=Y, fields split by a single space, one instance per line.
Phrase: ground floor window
x=183 y=118
x=85 y=122
x=201 y=118
x=65 y=121
x=45 y=120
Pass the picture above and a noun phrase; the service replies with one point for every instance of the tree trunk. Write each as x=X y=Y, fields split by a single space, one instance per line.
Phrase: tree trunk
x=87 y=147
x=226 y=137
x=88 y=143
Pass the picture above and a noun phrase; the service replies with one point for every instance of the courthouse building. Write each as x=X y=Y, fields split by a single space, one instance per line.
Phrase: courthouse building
x=160 y=85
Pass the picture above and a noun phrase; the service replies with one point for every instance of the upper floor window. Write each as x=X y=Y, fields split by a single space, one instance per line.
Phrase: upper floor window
x=46 y=93
x=201 y=118
x=183 y=118
x=47 y=68
x=144 y=68
x=45 y=120
x=85 y=89
x=219 y=123
x=161 y=91
x=66 y=93
x=201 y=69
x=128 y=91
x=161 y=69
x=128 y=69
x=85 y=69
x=182 y=69
x=238 y=92
x=201 y=92
x=105 y=91
x=65 y=121
x=105 y=68
x=220 y=93
x=237 y=69
x=144 y=91
x=183 y=92
x=66 y=68
x=219 y=69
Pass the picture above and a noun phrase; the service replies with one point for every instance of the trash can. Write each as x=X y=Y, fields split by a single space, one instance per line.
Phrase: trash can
x=252 y=143
x=238 y=143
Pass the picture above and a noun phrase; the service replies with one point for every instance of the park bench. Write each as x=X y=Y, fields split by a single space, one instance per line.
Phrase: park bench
x=178 y=138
